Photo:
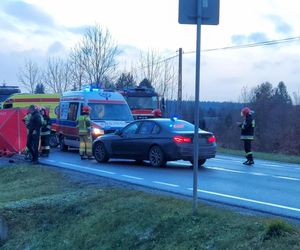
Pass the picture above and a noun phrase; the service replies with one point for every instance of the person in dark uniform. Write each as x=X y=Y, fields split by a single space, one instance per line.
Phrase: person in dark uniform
x=45 y=132
x=247 y=134
x=34 y=128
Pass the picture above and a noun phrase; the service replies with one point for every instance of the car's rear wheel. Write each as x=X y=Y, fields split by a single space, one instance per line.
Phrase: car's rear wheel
x=200 y=162
x=157 y=157
x=63 y=146
x=100 y=152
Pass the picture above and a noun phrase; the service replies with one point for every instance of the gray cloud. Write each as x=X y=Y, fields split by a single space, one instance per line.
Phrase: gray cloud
x=29 y=13
x=11 y=62
x=281 y=26
x=6 y=25
x=79 y=30
x=56 y=47
x=251 y=38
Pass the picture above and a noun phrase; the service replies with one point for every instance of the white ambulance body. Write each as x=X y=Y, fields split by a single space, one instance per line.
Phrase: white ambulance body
x=109 y=112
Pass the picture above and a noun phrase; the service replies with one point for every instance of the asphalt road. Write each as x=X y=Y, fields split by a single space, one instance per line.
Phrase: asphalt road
x=267 y=186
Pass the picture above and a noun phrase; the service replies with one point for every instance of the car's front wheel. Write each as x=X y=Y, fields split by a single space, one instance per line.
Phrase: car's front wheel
x=157 y=157
x=100 y=152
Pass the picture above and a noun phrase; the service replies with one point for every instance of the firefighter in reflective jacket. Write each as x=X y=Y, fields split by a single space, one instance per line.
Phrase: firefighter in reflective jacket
x=247 y=134
x=45 y=133
x=84 y=131
x=26 y=120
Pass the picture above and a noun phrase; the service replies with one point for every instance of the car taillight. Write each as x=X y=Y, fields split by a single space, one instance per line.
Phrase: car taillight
x=181 y=139
x=211 y=139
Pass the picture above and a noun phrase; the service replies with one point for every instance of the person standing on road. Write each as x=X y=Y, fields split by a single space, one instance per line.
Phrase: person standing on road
x=84 y=132
x=34 y=129
x=45 y=132
x=247 y=133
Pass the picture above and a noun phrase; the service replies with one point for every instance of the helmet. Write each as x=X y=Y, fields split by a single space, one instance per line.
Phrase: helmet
x=245 y=111
x=86 y=109
x=46 y=110
x=32 y=108
x=157 y=113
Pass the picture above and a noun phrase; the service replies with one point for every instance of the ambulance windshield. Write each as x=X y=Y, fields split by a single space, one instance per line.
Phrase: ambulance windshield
x=110 y=112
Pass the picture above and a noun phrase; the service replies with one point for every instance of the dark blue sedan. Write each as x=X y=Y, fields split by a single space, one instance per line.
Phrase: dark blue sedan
x=157 y=140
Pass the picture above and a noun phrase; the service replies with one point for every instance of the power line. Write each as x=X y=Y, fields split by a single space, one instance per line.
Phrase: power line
x=251 y=45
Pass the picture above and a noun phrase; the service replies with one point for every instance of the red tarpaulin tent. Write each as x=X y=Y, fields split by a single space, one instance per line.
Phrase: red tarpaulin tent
x=13 y=133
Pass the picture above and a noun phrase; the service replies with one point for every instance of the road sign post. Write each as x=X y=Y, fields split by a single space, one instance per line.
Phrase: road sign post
x=198 y=12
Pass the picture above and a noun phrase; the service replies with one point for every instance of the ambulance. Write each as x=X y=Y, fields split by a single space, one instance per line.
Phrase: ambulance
x=49 y=101
x=109 y=112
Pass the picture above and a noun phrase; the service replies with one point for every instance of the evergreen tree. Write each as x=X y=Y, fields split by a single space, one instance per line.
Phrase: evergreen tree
x=125 y=81
x=145 y=83
x=281 y=95
x=39 y=89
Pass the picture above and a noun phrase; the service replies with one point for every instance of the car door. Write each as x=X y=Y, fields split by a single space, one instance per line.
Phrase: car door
x=125 y=146
x=145 y=138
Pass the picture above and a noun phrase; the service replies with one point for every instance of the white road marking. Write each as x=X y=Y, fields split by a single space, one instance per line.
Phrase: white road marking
x=248 y=200
x=166 y=184
x=286 y=178
x=253 y=173
x=50 y=160
x=227 y=170
x=270 y=165
x=132 y=177
x=259 y=174
x=86 y=168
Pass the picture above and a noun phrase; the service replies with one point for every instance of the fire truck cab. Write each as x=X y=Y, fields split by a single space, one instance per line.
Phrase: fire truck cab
x=109 y=112
x=142 y=101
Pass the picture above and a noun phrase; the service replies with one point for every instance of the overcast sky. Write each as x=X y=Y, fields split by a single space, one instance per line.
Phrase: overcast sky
x=36 y=29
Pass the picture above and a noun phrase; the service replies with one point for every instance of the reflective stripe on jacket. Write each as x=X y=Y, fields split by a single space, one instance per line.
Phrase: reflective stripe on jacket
x=83 y=125
x=46 y=127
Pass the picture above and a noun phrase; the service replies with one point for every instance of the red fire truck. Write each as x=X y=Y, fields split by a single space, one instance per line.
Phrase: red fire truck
x=143 y=102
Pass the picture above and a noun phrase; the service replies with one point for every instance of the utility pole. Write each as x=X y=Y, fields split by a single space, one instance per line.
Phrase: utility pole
x=179 y=98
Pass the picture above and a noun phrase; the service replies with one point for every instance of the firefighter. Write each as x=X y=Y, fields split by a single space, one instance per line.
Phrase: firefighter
x=45 y=132
x=84 y=132
x=247 y=133
x=26 y=120
x=34 y=129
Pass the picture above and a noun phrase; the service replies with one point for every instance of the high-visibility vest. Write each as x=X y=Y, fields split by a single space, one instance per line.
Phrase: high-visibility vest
x=84 y=124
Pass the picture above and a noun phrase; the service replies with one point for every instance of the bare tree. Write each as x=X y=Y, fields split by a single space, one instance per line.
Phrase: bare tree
x=296 y=97
x=57 y=75
x=245 y=95
x=29 y=76
x=78 y=74
x=96 y=53
x=168 y=86
x=159 y=71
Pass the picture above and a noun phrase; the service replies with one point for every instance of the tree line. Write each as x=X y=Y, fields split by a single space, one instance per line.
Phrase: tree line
x=95 y=60
x=277 y=119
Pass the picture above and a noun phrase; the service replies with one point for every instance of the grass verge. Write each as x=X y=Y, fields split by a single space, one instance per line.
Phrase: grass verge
x=263 y=156
x=45 y=209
